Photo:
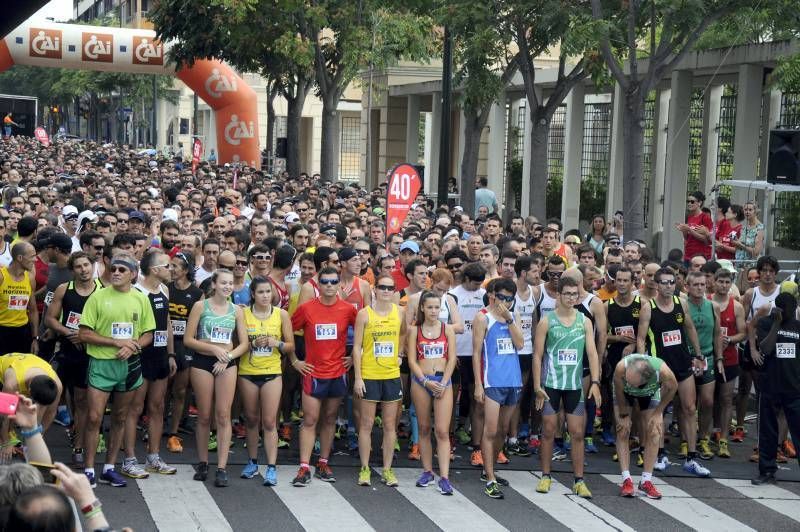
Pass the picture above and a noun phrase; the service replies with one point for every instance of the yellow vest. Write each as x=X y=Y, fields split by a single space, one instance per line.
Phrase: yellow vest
x=381 y=345
x=14 y=297
x=263 y=361
x=21 y=363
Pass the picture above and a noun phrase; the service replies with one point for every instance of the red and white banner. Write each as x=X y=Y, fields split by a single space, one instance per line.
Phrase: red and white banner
x=404 y=185
x=197 y=150
x=41 y=136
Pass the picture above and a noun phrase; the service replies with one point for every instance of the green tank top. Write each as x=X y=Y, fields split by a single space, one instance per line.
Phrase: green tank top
x=703 y=318
x=217 y=329
x=562 y=368
x=652 y=386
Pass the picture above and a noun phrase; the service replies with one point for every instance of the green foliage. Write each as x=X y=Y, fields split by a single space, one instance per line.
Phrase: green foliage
x=555 y=184
x=514 y=173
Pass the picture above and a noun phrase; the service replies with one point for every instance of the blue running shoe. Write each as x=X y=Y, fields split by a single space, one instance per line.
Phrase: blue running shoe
x=113 y=478
x=250 y=470
x=559 y=454
x=589 y=446
x=524 y=431
x=609 y=440
x=271 y=476
x=444 y=487
x=691 y=466
x=62 y=417
x=352 y=441
x=426 y=479
x=92 y=479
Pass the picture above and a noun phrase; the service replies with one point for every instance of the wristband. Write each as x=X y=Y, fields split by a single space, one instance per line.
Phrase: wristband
x=171 y=355
x=25 y=434
x=93 y=513
x=5 y=445
x=94 y=505
x=595 y=382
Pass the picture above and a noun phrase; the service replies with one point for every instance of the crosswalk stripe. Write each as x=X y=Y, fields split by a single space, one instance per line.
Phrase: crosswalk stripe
x=775 y=498
x=319 y=507
x=568 y=509
x=454 y=513
x=690 y=511
x=178 y=503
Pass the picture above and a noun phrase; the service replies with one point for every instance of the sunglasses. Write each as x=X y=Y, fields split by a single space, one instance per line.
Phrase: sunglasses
x=455 y=266
x=555 y=275
x=667 y=282
x=241 y=263
x=385 y=287
x=570 y=295
x=333 y=261
x=98 y=248
x=262 y=257
x=329 y=281
x=119 y=269
x=691 y=201
x=302 y=210
x=502 y=297
x=363 y=251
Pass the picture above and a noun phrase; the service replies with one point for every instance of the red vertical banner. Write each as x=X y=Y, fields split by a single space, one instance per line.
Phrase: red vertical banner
x=41 y=136
x=404 y=185
x=197 y=150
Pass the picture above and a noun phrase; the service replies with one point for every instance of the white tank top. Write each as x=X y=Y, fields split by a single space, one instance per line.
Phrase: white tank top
x=469 y=303
x=547 y=303
x=444 y=310
x=525 y=307
x=760 y=300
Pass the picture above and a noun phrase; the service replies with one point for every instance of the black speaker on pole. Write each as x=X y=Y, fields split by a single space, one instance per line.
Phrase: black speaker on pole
x=783 y=166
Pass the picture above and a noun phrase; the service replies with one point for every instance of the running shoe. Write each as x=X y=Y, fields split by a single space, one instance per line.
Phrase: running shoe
x=157 y=465
x=413 y=454
x=352 y=441
x=297 y=416
x=763 y=478
x=132 y=469
x=544 y=484
x=662 y=463
x=754 y=456
x=340 y=431
x=316 y=446
x=567 y=442
x=716 y=436
x=201 y=471
x=113 y=479
x=221 y=478
x=627 y=488
x=396 y=445
x=738 y=435
x=425 y=479
x=463 y=436
x=364 y=476
x=444 y=487
x=101 y=444
x=389 y=478
x=191 y=411
x=589 y=445
x=691 y=466
x=609 y=440
x=92 y=480
x=581 y=490
x=62 y=417
x=174 y=444
x=524 y=431
x=684 y=450
x=533 y=444
x=502 y=458
x=780 y=457
x=789 y=450
x=212 y=442
x=250 y=470
x=559 y=454
x=271 y=476
x=303 y=478
x=723 y=451
x=78 y=460
x=704 y=449
x=517 y=448
x=493 y=490
x=476 y=458
x=378 y=422
x=649 y=489
x=323 y=472
x=285 y=433
x=239 y=431
x=283 y=444
x=639 y=459
x=615 y=457
x=498 y=479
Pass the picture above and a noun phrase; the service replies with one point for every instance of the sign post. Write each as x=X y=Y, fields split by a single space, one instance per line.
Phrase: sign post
x=404 y=185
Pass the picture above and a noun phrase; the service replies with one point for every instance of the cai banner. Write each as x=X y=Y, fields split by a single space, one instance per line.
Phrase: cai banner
x=404 y=185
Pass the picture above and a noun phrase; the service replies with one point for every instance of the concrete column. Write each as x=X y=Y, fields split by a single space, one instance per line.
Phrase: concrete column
x=748 y=114
x=525 y=201
x=496 y=154
x=616 y=174
x=659 y=162
x=677 y=160
x=710 y=141
x=432 y=144
x=426 y=157
x=412 y=129
x=573 y=153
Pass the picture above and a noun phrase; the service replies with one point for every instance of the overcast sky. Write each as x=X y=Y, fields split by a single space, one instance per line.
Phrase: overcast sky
x=60 y=10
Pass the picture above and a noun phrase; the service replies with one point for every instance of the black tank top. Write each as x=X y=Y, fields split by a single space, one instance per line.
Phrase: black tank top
x=667 y=333
x=622 y=321
x=160 y=304
x=71 y=309
x=180 y=304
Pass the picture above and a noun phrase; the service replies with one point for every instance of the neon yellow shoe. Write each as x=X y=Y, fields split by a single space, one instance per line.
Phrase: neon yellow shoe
x=364 y=476
x=389 y=478
x=639 y=460
x=723 y=452
x=581 y=490
x=544 y=485
x=684 y=451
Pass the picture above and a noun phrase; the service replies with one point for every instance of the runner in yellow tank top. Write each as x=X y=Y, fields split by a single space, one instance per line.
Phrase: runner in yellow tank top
x=19 y=319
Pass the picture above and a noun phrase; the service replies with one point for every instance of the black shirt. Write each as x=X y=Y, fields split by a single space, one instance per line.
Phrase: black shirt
x=781 y=371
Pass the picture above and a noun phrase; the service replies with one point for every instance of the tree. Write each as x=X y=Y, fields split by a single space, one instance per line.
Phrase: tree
x=669 y=30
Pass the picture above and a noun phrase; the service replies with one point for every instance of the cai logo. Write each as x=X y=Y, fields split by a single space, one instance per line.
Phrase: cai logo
x=45 y=43
x=98 y=47
x=218 y=83
x=236 y=130
x=147 y=51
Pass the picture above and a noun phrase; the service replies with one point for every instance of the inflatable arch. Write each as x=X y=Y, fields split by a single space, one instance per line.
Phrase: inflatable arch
x=48 y=44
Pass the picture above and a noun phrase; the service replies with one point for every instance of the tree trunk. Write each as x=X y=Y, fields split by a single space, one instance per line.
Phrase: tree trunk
x=474 y=122
x=295 y=99
x=633 y=164
x=271 y=93
x=330 y=119
x=538 y=163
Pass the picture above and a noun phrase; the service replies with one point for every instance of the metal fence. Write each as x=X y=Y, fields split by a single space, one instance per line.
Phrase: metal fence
x=350 y=148
x=649 y=159
x=555 y=161
x=696 y=111
x=595 y=159
x=726 y=133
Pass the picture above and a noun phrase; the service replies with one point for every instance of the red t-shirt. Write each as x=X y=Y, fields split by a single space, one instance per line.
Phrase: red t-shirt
x=693 y=246
x=325 y=330
x=727 y=234
x=42 y=272
x=399 y=275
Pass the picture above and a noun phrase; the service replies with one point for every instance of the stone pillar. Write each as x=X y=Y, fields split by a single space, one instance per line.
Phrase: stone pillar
x=412 y=129
x=710 y=141
x=573 y=153
x=426 y=157
x=656 y=224
x=616 y=175
x=455 y=165
x=677 y=160
x=525 y=200
x=432 y=144
x=496 y=154
x=748 y=115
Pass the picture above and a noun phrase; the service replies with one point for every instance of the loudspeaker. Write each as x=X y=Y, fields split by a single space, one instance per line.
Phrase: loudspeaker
x=783 y=166
x=281 y=147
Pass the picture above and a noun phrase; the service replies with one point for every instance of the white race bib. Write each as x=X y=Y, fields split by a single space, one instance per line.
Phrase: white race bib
x=326 y=331
x=383 y=349
x=17 y=302
x=670 y=338
x=48 y=298
x=178 y=327
x=220 y=335
x=785 y=350
x=723 y=331
x=625 y=330
x=468 y=326
x=567 y=357
x=527 y=323
x=73 y=320
x=122 y=330
x=433 y=350
x=505 y=346
x=160 y=339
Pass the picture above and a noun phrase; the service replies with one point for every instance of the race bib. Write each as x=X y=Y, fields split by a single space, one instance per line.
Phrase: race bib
x=326 y=331
x=434 y=350
x=48 y=298
x=122 y=330
x=18 y=302
x=262 y=351
x=73 y=320
x=625 y=330
x=468 y=326
x=160 y=339
x=383 y=349
x=221 y=335
x=505 y=346
x=178 y=327
x=785 y=350
x=670 y=338
x=527 y=323
x=567 y=357
x=723 y=331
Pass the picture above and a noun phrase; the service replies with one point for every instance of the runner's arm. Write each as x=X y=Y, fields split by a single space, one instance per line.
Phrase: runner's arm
x=644 y=326
x=358 y=338
x=455 y=316
x=452 y=357
x=51 y=317
x=619 y=389
x=691 y=331
x=669 y=385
